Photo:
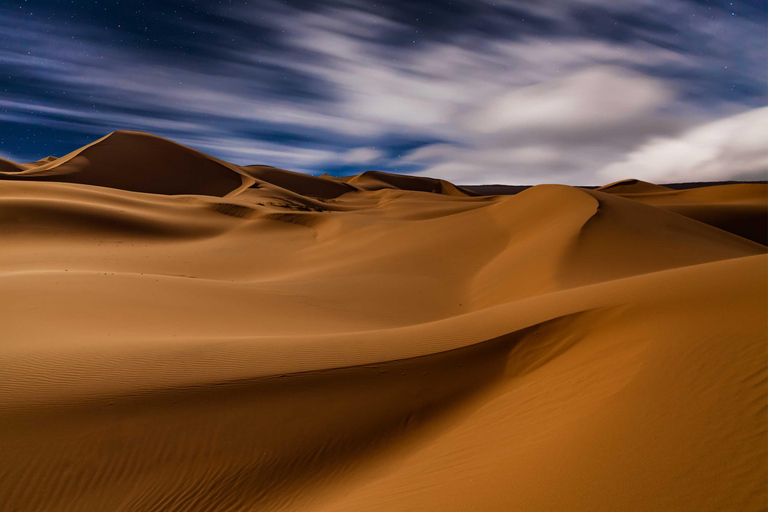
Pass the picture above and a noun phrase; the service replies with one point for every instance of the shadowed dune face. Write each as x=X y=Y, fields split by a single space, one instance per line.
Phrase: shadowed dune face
x=181 y=333
x=238 y=444
x=737 y=208
x=6 y=166
x=302 y=184
x=139 y=162
x=374 y=180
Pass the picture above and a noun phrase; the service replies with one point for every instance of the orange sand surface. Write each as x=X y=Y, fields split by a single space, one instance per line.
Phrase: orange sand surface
x=184 y=334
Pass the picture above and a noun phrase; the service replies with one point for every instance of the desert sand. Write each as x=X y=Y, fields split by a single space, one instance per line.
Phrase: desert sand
x=184 y=334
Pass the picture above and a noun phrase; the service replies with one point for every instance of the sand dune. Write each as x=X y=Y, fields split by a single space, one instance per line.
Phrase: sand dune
x=737 y=208
x=139 y=162
x=6 y=166
x=184 y=334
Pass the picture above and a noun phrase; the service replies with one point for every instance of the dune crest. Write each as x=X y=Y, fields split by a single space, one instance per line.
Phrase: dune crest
x=633 y=186
x=182 y=334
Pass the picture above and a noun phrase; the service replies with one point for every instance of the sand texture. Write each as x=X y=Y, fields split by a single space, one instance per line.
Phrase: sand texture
x=180 y=333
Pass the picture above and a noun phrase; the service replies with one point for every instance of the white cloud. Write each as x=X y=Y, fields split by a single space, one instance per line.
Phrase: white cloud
x=525 y=155
x=430 y=154
x=249 y=151
x=734 y=147
x=544 y=58
x=361 y=155
x=524 y=110
x=525 y=165
x=119 y=120
x=596 y=98
x=558 y=130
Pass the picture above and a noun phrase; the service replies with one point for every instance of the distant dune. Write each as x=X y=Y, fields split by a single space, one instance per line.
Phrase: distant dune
x=183 y=334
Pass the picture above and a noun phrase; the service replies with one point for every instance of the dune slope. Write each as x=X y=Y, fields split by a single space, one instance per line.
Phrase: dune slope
x=183 y=334
x=741 y=209
x=138 y=162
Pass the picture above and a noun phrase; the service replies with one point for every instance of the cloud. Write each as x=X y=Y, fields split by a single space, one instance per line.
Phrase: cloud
x=517 y=92
x=595 y=99
x=735 y=147
x=549 y=57
x=529 y=165
x=247 y=151
x=558 y=130
x=361 y=156
x=430 y=154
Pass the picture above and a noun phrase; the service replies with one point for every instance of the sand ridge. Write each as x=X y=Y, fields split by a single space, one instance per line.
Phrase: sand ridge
x=182 y=333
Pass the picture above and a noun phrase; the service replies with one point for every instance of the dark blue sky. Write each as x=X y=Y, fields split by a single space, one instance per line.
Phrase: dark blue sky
x=472 y=91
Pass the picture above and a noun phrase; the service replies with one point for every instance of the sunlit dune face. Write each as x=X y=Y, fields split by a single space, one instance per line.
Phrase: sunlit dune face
x=183 y=333
x=401 y=255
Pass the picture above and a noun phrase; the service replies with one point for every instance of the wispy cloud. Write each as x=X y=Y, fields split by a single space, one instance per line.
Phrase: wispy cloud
x=516 y=92
x=362 y=156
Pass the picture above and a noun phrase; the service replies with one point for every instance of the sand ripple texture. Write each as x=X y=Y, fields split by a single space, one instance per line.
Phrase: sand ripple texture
x=180 y=333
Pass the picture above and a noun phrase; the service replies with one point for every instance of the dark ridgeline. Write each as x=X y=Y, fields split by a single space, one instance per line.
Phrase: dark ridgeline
x=510 y=190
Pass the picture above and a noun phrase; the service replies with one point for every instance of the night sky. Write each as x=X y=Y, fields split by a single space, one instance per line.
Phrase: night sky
x=521 y=92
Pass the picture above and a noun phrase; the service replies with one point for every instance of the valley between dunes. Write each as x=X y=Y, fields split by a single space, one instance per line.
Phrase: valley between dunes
x=180 y=333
